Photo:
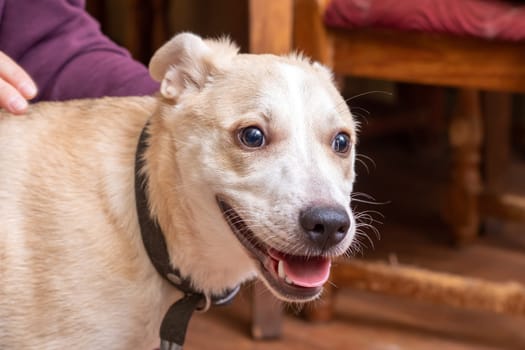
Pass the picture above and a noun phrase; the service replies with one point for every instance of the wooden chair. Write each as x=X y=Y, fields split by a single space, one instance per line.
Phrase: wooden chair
x=471 y=65
x=484 y=72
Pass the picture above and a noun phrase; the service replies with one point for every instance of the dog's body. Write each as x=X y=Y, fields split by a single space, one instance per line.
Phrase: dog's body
x=73 y=269
x=72 y=263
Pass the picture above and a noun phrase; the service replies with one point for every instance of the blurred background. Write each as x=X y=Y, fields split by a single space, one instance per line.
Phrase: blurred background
x=441 y=168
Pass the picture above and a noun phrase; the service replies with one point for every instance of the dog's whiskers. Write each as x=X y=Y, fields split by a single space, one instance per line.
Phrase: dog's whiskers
x=368 y=93
x=363 y=159
x=355 y=249
x=360 y=234
x=361 y=109
x=246 y=222
x=330 y=282
x=367 y=199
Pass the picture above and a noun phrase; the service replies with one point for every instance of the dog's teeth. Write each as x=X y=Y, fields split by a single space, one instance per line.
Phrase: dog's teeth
x=282 y=274
x=280 y=269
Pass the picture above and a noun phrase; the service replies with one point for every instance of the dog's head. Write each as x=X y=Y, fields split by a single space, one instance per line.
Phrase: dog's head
x=264 y=153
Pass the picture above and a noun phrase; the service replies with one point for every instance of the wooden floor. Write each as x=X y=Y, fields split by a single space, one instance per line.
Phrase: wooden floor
x=411 y=178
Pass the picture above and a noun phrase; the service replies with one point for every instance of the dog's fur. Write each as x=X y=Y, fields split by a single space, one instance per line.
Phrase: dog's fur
x=73 y=269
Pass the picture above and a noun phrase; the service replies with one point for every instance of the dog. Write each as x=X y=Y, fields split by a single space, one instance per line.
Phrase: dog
x=249 y=164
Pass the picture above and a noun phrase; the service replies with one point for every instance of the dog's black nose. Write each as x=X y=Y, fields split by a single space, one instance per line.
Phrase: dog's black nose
x=325 y=226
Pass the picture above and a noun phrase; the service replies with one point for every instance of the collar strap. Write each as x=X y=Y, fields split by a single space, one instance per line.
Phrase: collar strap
x=176 y=320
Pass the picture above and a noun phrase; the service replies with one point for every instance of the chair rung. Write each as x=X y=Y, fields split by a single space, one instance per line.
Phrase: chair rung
x=505 y=206
x=436 y=287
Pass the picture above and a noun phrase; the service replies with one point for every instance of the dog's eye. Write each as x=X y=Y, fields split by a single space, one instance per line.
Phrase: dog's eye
x=341 y=143
x=252 y=137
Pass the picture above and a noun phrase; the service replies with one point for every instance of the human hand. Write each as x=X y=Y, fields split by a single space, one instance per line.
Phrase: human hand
x=16 y=86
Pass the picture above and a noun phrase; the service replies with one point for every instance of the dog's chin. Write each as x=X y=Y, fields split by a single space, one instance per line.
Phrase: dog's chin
x=290 y=277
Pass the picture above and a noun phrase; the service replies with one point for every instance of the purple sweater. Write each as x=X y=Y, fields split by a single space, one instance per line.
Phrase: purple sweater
x=64 y=51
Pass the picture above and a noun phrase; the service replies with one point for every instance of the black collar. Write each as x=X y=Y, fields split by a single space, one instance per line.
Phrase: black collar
x=176 y=320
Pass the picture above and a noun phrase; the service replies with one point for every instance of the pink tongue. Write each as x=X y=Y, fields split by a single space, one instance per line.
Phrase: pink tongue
x=307 y=272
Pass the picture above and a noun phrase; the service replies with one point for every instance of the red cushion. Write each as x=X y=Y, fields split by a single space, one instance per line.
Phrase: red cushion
x=488 y=19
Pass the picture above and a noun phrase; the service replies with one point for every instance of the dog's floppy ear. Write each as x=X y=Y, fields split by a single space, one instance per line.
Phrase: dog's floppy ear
x=187 y=61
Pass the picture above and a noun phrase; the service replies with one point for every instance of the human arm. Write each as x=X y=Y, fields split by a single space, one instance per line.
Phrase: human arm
x=62 y=48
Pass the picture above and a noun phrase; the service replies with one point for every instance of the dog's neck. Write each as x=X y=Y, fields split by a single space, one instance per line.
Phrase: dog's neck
x=198 y=239
x=152 y=235
x=174 y=325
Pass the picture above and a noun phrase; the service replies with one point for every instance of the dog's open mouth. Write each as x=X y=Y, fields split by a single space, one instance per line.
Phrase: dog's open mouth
x=296 y=278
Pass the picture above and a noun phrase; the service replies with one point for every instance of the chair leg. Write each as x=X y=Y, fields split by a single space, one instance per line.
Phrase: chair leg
x=497 y=112
x=270 y=26
x=461 y=208
x=267 y=313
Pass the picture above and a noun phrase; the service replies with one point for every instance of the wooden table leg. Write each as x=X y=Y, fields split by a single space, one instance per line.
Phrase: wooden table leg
x=461 y=209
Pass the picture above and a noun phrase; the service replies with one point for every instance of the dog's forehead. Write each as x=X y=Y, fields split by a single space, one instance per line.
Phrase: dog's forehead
x=289 y=85
x=296 y=87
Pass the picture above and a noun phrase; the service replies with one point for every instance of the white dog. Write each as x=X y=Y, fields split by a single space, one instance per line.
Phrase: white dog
x=245 y=170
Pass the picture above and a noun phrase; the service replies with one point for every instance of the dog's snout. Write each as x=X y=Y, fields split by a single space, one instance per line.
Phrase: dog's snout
x=325 y=226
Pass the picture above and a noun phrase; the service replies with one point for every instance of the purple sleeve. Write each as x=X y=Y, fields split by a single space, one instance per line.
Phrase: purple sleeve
x=64 y=51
